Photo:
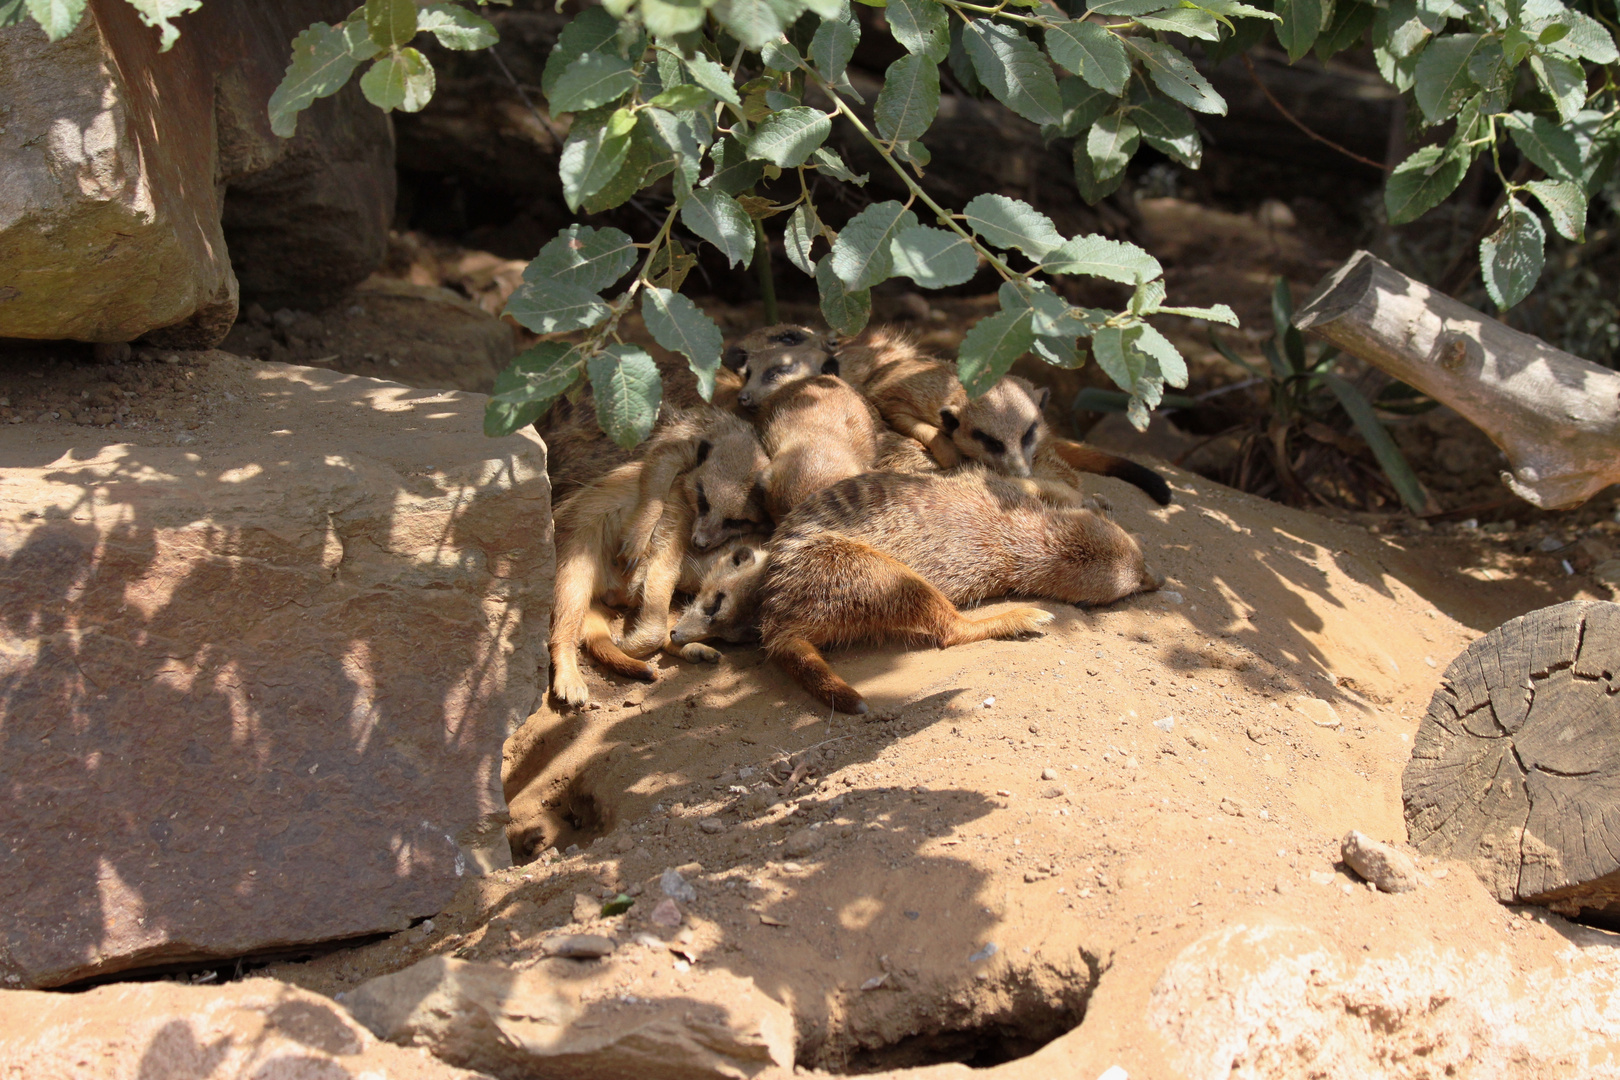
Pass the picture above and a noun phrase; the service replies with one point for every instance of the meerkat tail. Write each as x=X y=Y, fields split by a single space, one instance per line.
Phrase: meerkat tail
x=810 y=670
x=599 y=643
x=1090 y=459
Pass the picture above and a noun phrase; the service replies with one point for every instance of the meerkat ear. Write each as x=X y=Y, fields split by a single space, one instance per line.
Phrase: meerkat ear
x=703 y=448
x=735 y=358
x=949 y=421
x=756 y=495
x=829 y=366
x=1043 y=398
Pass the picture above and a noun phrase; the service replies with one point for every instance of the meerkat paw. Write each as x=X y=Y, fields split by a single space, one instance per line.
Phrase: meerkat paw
x=699 y=653
x=1035 y=618
x=570 y=689
x=644 y=642
x=1098 y=504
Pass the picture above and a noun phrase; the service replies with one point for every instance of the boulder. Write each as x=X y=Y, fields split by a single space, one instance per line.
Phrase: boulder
x=256 y=1028
x=558 y=1020
x=255 y=685
x=142 y=185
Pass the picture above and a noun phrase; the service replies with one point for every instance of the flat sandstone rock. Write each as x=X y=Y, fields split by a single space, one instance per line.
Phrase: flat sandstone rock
x=255 y=686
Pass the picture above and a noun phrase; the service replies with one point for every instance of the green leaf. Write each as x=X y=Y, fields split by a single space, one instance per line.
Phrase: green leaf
x=1011 y=223
x=548 y=306
x=671 y=18
x=1050 y=314
x=921 y=27
x=780 y=56
x=1216 y=313
x=645 y=162
x=1013 y=70
x=391 y=22
x=403 y=80
x=1563 y=80
x=1390 y=459
x=623 y=902
x=860 y=257
x=1129 y=8
x=829 y=163
x=679 y=136
x=734 y=171
x=1174 y=74
x=590 y=81
x=58 y=18
x=677 y=324
x=1172 y=365
x=593 y=155
x=579 y=255
x=990 y=348
x=1113 y=346
x=1551 y=146
x=1300 y=25
x=1511 y=257
x=682 y=97
x=788 y=138
x=1092 y=188
x=909 y=100
x=592 y=30
x=1169 y=129
x=1111 y=142
x=157 y=13
x=719 y=219
x=528 y=386
x=1443 y=81
x=1190 y=21
x=1090 y=52
x=321 y=65
x=1421 y=182
x=713 y=78
x=1565 y=203
x=1586 y=38
x=456 y=27
x=833 y=45
x=625 y=383
x=800 y=236
x=1350 y=22
x=754 y=22
x=846 y=310
x=933 y=258
x=1082 y=106
x=12 y=12
x=1098 y=256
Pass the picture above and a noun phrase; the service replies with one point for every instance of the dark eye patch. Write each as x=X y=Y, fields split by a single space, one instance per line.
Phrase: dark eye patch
x=740 y=524
x=702 y=501
x=788 y=337
x=990 y=443
x=1029 y=436
x=713 y=607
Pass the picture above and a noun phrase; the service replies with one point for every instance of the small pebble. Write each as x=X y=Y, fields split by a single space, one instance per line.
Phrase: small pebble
x=1165 y=723
x=985 y=953
x=667 y=913
x=712 y=825
x=577 y=946
x=676 y=887
x=1049 y=774
x=989 y=701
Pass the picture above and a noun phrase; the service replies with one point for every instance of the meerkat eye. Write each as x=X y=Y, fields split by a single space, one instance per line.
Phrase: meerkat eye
x=990 y=443
x=713 y=607
x=788 y=338
x=1029 y=436
x=736 y=523
x=702 y=501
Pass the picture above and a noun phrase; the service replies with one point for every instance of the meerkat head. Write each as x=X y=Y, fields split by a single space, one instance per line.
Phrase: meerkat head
x=1001 y=429
x=727 y=604
x=776 y=357
x=724 y=484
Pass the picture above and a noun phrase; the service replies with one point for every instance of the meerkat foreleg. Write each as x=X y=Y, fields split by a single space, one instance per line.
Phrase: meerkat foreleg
x=929 y=434
x=575 y=586
x=598 y=636
x=658 y=584
x=659 y=471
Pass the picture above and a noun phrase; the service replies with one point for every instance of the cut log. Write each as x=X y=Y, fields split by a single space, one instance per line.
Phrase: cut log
x=1516 y=767
x=1556 y=416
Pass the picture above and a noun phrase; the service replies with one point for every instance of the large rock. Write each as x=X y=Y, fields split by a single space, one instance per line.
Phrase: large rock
x=254 y=688
x=561 y=1020
x=157 y=1031
x=119 y=162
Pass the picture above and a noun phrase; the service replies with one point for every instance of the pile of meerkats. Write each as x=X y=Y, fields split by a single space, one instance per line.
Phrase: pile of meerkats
x=833 y=493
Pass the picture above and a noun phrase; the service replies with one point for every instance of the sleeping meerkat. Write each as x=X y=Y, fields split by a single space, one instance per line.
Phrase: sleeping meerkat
x=1004 y=430
x=590 y=528
x=816 y=432
x=726 y=602
x=720 y=457
x=774 y=358
x=885 y=555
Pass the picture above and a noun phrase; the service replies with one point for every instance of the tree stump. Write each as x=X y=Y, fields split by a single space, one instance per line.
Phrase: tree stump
x=1516 y=767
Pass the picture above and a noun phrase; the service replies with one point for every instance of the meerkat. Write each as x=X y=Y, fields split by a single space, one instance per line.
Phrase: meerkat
x=816 y=432
x=724 y=458
x=726 y=602
x=590 y=527
x=886 y=555
x=776 y=357
x=1004 y=430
